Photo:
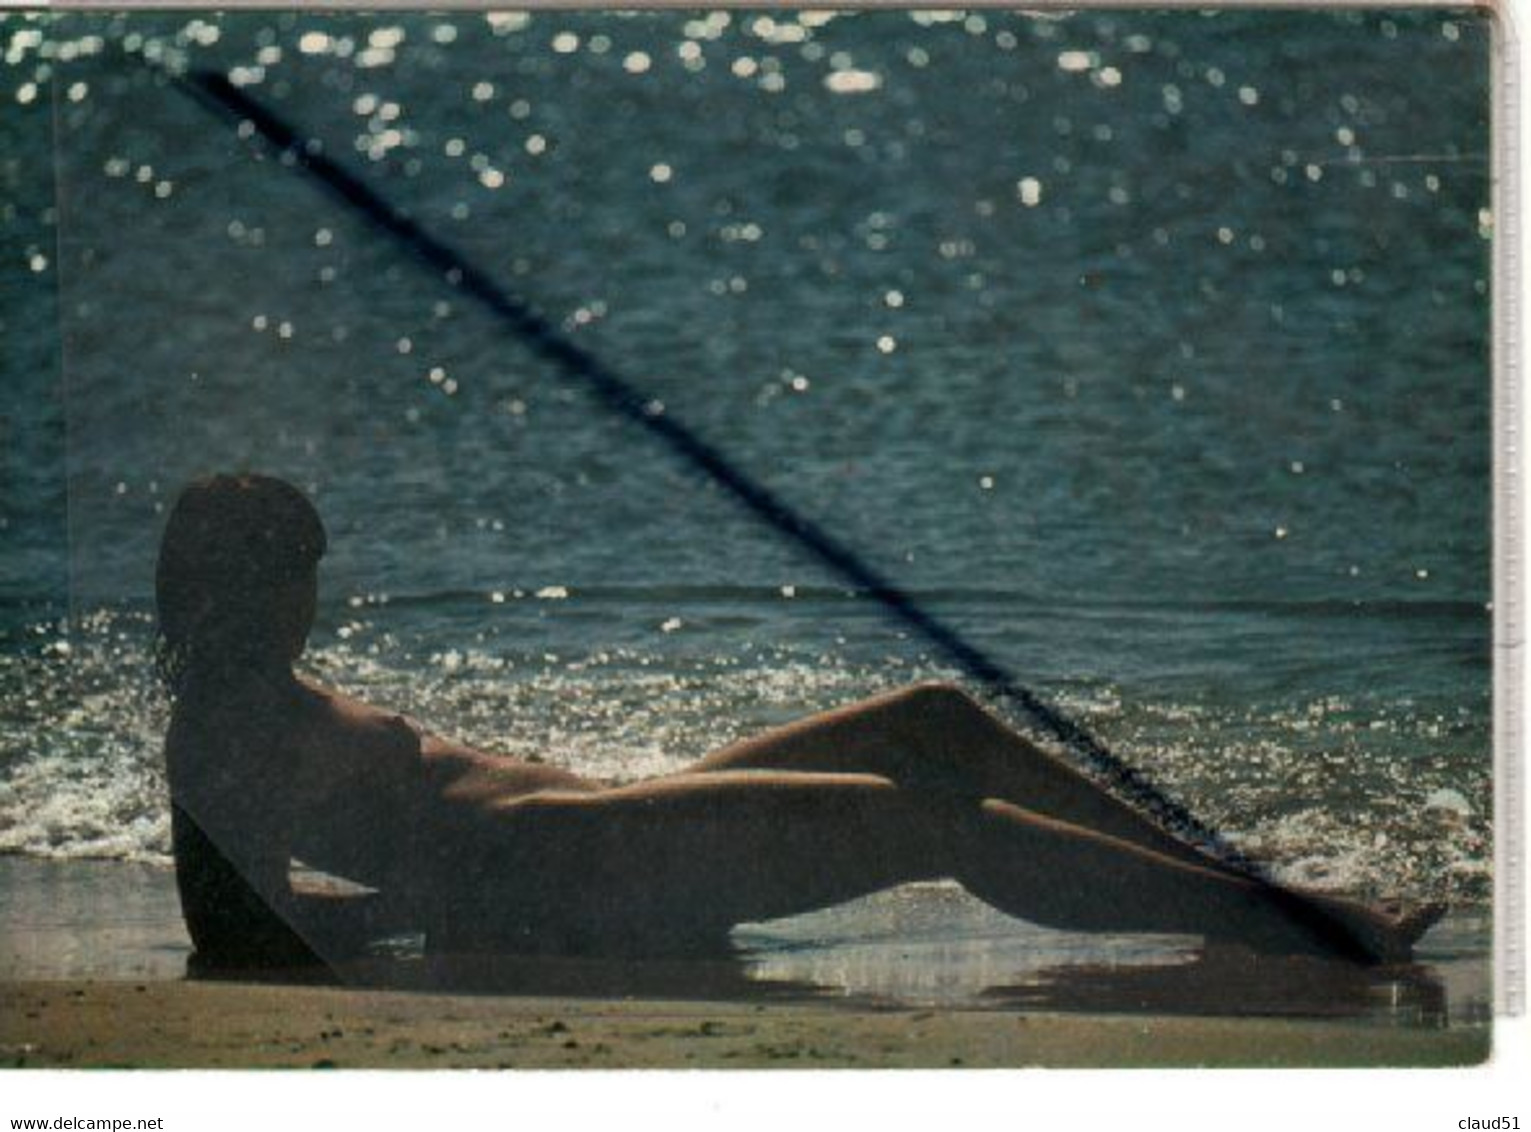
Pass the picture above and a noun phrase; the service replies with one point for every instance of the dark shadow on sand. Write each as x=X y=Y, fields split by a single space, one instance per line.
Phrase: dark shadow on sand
x=721 y=976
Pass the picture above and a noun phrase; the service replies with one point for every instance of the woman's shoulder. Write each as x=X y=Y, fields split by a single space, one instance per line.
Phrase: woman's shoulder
x=343 y=724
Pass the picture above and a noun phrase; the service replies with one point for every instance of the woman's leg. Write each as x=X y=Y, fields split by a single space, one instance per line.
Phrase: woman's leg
x=937 y=738
x=1125 y=887
x=672 y=861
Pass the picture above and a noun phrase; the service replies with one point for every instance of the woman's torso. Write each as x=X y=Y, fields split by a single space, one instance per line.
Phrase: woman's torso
x=272 y=774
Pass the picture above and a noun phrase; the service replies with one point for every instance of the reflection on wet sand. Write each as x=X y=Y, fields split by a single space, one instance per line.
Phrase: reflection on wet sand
x=1143 y=976
x=693 y=978
x=1216 y=983
x=912 y=949
x=1238 y=982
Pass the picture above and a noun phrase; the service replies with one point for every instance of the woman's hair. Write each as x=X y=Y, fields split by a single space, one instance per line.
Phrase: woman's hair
x=233 y=549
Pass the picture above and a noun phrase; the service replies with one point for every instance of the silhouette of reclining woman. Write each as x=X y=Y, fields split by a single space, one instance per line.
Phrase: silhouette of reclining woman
x=486 y=853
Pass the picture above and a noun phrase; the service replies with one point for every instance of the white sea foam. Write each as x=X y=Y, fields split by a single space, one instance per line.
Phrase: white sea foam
x=1325 y=797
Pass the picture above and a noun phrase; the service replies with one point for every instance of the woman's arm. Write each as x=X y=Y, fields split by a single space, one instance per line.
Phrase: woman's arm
x=357 y=790
x=231 y=915
x=341 y=925
x=232 y=924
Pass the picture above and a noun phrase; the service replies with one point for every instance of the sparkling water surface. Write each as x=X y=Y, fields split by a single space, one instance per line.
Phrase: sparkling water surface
x=1148 y=350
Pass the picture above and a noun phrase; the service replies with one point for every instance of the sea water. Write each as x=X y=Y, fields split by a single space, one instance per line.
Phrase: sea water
x=1148 y=351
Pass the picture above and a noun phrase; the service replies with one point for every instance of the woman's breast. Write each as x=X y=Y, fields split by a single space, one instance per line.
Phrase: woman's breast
x=361 y=799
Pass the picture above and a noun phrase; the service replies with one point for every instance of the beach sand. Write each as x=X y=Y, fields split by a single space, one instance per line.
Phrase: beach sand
x=233 y=1025
x=96 y=970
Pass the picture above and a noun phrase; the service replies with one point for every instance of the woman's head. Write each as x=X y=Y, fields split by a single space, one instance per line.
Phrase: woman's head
x=235 y=584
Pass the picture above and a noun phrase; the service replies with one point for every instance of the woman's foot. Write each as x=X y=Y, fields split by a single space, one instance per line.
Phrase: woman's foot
x=1383 y=933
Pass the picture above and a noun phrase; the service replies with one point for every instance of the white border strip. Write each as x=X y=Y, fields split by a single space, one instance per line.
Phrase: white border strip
x=1509 y=529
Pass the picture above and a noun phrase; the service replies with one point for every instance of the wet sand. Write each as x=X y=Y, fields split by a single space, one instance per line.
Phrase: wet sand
x=237 y=1025
x=95 y=970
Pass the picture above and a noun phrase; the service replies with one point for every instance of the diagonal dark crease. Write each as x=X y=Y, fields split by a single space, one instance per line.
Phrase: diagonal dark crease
x=617 y=394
